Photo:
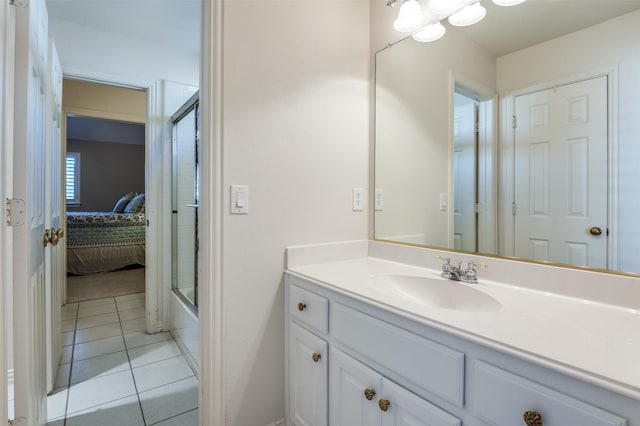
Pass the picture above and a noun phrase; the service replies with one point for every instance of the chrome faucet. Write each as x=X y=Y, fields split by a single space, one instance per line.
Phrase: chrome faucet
x=452 y=272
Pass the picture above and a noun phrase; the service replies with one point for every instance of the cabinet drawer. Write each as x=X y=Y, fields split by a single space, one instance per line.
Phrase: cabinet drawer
x=431 y=366
x=309 y=309
x=501 y=399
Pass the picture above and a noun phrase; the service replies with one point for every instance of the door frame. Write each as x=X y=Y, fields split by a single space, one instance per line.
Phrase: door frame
x=7 y=46
x=506 y=233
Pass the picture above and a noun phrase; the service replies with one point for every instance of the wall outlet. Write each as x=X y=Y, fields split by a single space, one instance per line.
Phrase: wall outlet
x=358 y=199
x=379 y=199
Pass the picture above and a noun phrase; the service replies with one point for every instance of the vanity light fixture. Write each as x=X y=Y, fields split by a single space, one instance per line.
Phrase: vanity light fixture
x=425 y=24
x=410 y=18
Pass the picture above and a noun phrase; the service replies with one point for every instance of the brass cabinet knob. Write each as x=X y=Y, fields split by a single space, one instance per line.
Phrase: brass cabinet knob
x=369 y=394
x=301 y=306
x=316 y=357
x=596 y=230
x=532 y=418
x=384 y=404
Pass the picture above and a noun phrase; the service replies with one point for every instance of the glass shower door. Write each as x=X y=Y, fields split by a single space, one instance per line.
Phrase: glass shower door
x=185 y=203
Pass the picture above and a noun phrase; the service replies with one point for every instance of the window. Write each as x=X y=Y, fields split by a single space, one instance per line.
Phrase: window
x=72 y=178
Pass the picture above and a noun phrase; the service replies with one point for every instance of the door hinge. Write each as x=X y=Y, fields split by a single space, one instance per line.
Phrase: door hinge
x=514 y=121
x=476 y=208
x=513 y=208
x=477 y=127
x=15 y=212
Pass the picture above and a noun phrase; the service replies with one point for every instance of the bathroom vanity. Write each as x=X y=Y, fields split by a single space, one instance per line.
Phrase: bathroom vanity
x=374 y=341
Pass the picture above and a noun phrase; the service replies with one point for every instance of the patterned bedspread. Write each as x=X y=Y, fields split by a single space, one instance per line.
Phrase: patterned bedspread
x=105 y=229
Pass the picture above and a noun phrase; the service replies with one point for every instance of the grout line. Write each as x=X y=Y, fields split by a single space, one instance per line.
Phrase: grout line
x=173 y=417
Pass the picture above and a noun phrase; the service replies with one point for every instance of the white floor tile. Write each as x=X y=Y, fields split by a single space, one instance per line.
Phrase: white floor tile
x=59 y=422
x=161 y=373
x=189 y=418
x=135 y=296
x=133 y=325
x=99 y=332
x=125 y=411
x=98 y=347
x=57 y=404
x=96 y=310
x=170 y=400
x=152 y=353
x=132 y=314
x=130 y=304
x=96 y=302
x=99 y=366
x=134 y=340
x=62 y=376
x=95 y=320
x=99 y=391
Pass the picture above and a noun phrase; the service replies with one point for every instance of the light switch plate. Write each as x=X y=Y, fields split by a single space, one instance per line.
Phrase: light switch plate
x=239 y=202
x=358 y=199
x=444 y=201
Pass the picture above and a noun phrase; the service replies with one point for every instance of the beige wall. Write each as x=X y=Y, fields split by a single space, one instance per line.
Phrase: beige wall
x=295 y=129
x=107 y=172
x=103 y=101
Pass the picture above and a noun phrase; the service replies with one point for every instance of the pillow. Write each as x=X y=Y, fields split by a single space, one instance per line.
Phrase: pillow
x=122 y=202
x=135 y=205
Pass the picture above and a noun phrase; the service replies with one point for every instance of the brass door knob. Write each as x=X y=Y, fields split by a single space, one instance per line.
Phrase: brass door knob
x=316 y=357
x=301 y=306
x=369 y=394
x=47 y=237
x=532 y=418
x=60 y=232
x=596 y=230
x=384 y=404
x=54 y=239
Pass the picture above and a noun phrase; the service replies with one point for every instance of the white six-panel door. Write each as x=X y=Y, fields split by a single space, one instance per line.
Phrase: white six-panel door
x=55 y=270
x=29 y=150
x=561 y=174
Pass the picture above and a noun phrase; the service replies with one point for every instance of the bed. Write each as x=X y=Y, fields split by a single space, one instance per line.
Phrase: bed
x=105 y=241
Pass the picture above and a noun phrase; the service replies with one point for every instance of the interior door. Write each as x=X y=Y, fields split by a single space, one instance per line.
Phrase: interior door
x=29 y=186
x=464 y=174
x=561 y=174
x=55 y=269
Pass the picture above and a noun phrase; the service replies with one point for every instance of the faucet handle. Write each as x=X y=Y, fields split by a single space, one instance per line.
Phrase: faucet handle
x=445 y=260
x=472 y=265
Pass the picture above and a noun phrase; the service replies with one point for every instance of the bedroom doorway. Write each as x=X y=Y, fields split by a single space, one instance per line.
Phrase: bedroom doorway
x=104 y=136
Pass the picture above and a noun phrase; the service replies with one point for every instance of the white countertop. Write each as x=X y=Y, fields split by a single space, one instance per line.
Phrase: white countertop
x=592 y=341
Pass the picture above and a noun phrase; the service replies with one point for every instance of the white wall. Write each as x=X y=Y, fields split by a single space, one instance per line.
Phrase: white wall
x=106 y=56
x=611 y=44
x=295 y=129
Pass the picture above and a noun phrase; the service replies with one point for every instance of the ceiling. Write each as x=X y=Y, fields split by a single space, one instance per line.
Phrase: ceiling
x=168 y=22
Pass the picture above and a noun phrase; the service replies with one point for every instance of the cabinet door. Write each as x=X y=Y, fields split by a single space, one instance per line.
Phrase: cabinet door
x=308 y=376
x=355 y=390
x=407 y=409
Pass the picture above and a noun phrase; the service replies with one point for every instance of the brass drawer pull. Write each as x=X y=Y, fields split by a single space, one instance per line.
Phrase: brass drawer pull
x=384 y=404
x=316 y=357
x=369 y=394
x=532 y=418
x=301 y=306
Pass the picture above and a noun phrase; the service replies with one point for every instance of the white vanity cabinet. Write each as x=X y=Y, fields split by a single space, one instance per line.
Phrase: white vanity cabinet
x=379 y=366
x=362 y=397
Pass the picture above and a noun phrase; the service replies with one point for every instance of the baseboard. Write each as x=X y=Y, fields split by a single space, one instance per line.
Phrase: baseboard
x=281 y=422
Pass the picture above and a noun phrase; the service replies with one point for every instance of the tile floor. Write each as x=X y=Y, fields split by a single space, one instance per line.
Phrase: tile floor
x=113 y=373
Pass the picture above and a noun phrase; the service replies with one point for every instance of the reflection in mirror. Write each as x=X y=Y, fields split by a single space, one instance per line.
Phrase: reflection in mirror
x=516 y=136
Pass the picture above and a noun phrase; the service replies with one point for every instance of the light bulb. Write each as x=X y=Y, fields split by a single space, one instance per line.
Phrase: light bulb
x=468 y=16
x=410 y=18
x=508 y=2
x=430 y=33
x=445 y=7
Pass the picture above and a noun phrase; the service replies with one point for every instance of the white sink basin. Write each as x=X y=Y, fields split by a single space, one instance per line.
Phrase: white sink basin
x=435 y=292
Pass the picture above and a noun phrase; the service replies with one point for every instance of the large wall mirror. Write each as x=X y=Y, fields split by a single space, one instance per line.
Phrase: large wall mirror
x=518 y=136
